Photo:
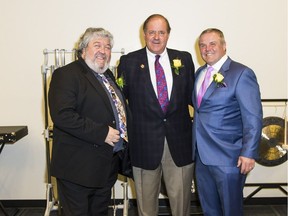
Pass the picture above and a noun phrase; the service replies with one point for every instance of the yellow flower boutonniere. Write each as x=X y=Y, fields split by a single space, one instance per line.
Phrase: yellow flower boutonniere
x=177 y=64
x=120 y=82
x=218 y=78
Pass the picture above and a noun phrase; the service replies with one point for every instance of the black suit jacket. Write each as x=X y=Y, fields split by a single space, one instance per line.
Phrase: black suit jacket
x=150 y=126
x=81 y=112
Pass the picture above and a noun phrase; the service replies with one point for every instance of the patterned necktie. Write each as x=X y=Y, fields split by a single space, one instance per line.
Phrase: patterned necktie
x=119 y=108
x=161 y=85
x=204 y=85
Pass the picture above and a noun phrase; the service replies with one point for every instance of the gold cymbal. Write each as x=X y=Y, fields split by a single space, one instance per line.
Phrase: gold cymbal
x=271 y=151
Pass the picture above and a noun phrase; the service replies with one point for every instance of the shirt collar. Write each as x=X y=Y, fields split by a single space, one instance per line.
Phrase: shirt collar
x=219 y=64
x=152 y=55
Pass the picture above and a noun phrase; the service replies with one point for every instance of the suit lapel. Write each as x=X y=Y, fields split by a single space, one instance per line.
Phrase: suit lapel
x=209 y=91
x=98 y=87
x=194 y=99
x=171 y=55
x=225 y=67
x=145 y=74
x=148 y=83
x=213 y=86
x=176 y=80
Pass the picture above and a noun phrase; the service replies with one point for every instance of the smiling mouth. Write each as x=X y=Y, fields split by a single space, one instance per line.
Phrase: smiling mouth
x=156 y=41
x=101 y=56
x=209 y=54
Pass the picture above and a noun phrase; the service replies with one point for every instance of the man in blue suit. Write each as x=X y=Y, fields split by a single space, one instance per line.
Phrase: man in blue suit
x=226 y=127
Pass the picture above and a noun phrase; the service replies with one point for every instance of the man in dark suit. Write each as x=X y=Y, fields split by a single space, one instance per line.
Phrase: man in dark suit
x=87 y=134
x=160 y=142
x=227 y=127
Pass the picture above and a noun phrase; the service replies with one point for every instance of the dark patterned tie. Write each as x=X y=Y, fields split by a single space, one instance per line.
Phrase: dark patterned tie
x=204 y=85
x=161 y=85
x=119 y=107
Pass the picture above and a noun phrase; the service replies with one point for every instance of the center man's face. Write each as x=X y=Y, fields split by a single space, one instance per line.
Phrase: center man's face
x=156 y=35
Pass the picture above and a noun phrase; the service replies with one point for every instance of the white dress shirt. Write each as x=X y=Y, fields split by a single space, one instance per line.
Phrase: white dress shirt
x=165 y=63
x=216 y=67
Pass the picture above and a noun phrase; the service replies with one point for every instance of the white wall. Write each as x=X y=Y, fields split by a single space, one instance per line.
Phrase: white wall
x=256 y=35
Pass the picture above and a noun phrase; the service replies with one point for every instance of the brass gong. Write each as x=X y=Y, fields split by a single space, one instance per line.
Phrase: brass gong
x=271 y=151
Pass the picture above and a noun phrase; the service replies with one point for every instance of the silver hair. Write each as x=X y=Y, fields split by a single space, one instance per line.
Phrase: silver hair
x=92 y=33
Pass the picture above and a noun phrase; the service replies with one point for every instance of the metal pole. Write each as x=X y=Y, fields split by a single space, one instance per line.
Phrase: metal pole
x=50 y=200
x=125 y=197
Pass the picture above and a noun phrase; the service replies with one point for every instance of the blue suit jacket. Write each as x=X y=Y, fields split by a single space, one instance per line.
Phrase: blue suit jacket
x=228 y=123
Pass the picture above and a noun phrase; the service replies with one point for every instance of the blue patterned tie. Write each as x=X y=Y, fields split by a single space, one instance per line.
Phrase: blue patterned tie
x=161 y=85
x=119 y=107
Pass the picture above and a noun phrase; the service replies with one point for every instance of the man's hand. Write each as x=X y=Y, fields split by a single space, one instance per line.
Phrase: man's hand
x=245 y=164
x=113 y=136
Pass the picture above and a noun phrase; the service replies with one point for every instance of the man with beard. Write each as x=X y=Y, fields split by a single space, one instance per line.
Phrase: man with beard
x=89 y=116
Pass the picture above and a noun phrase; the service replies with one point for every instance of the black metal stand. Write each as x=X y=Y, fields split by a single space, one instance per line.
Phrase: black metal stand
x=264 y=186
x=1 y=205
x=261 y=186
x=51 y=203
x=2 y=146
x=3 y=209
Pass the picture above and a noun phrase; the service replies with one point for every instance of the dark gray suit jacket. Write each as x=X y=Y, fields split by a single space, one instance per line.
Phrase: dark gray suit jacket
x=150 y=126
